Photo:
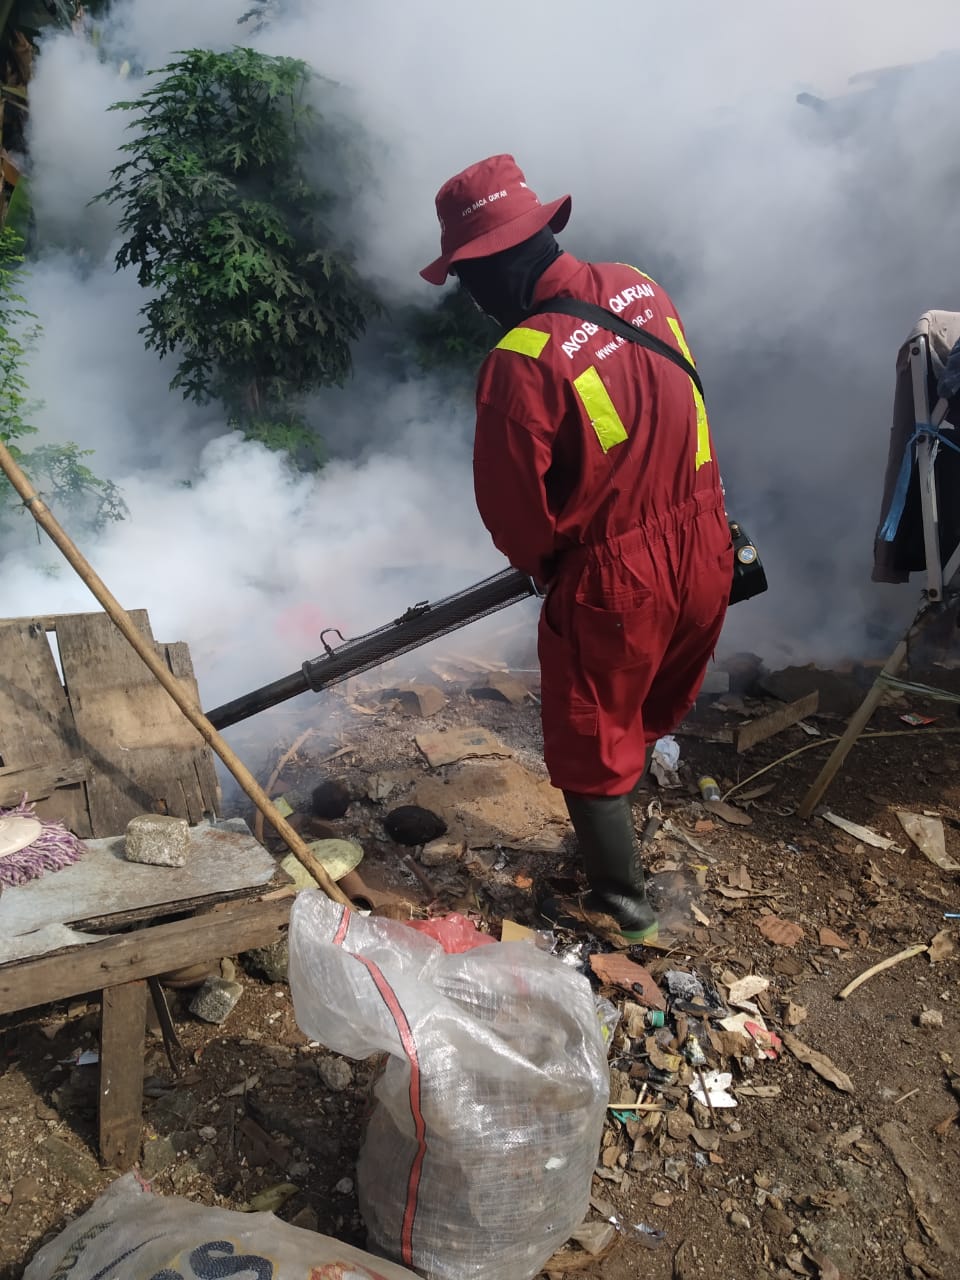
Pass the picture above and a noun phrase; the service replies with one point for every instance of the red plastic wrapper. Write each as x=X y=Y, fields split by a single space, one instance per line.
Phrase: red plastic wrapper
x=454 y=932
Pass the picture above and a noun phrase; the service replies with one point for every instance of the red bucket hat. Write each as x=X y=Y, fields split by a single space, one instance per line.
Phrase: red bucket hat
x=487 y=208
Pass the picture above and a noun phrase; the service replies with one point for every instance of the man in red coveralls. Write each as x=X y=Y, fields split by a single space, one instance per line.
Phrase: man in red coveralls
x=595 y=473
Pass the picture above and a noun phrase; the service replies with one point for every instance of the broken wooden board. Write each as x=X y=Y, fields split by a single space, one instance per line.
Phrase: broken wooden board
x=147 y=756
x=142 y=755
x=459 y=744
x=37 y=781
x=36 y=719
x=221 y=861
x=748 y=735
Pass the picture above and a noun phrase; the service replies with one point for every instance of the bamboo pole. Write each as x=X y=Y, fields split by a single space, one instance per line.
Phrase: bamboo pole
x=121 y=619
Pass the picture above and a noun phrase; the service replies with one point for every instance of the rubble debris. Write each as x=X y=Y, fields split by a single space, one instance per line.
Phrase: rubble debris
x=500 y=686
x=926 y=832
x=941 y=946
x=412 y=824
x=496 y=804
x=269 y=963
x=216 y=1000
x=336 y=1073
x=819 y=1062
x=422 y=700
x=448 y=747
x=764 y=727
x=907 y=954
x=157 y=839
x=330 y=799
x=783 y=933
x=864 y=834
x=594 y=1237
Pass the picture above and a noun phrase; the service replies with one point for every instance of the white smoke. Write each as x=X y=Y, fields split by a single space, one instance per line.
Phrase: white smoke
x=799 y=252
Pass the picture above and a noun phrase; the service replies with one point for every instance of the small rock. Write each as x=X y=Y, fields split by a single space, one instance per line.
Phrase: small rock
x=62 y=1160
x=344 y=1187
x=297 y=1169
x=775 y=1222
x=269 y=963
x=157 y=839
x=306 y=1219
x=173 y=1109
x=330 y=799
x=738 y=1219
x=158 y=1154
x=594 y=1237
x=335 y=1074
x=208 y=1133
x=930 y=1018
x=216 y=1000
x=410 y=824
x=440 y=852
x=228 y=970
x=24 y=1191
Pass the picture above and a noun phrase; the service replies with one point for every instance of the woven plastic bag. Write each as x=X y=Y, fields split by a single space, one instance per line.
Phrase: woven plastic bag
x=129 y=1234
x=483 y=1138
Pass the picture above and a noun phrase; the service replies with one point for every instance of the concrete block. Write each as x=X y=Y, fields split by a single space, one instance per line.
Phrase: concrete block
x=157 y=839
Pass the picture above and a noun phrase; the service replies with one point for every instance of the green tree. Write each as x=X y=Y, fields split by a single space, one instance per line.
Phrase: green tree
x=58 y=471
x=254 y=294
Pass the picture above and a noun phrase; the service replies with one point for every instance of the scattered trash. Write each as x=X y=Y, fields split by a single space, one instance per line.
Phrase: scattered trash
x=459 y=744
x=619 y=971
x=907 y=954
x=916 y=721
x=455 y=933
x=709 y=788
x=746 y=988
x=664 y=762
x=685 y=986
x=859 y=833
x=926 y=832
x=472 y=1037
x=729 y=813
x=714 y=1089
x=81 y=1058
x=129 y=1231
x=819 y=1062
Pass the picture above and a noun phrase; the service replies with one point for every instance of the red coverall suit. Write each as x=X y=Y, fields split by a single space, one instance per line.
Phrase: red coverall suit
x=595 y=473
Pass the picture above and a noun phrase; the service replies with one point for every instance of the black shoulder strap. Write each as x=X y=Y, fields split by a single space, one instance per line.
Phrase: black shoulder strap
x=605 y=319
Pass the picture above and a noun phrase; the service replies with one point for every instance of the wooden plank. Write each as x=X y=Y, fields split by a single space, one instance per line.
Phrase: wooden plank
x=225 y=931
x=146 y=755
x=759 y=730
x=122 y=1024
x=36 y=720
x=39 y=780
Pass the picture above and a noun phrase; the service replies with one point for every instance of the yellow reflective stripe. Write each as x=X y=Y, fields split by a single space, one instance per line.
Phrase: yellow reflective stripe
x=631 y=267
x=703 y=429
x=526 y=342
x=600 y=408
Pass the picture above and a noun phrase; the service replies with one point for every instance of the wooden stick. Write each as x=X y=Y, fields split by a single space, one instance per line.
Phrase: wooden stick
x=281 y=763
x=121 y=619
x=907 y=954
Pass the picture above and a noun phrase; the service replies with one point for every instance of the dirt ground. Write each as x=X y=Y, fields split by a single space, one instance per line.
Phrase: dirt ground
x=851 y=1176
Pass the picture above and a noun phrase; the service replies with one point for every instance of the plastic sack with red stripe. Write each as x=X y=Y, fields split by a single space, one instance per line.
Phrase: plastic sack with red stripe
x=483 y=1137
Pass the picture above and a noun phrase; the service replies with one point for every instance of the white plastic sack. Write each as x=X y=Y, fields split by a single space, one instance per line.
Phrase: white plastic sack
x=129 y=1234
x=479 y=1152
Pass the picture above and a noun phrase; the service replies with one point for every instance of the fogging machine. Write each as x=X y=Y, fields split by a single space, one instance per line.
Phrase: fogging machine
x=420 y=624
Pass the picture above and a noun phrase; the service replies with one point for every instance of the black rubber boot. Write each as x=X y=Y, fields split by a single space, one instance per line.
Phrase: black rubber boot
x=611 y=860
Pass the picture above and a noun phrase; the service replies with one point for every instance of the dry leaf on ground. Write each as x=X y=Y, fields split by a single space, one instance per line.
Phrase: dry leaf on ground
x=830 y=939
x=620 y=971
x=820 y=1063
x=794 y=1014
x=784 y=933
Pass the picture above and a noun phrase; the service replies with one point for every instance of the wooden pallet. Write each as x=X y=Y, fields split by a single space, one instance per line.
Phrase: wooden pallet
x=104 y=743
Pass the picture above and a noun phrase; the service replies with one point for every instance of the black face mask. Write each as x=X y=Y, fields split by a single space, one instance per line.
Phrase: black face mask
x=503 y=284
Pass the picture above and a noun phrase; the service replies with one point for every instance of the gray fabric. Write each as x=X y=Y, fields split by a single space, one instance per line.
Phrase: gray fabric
x=895 y=561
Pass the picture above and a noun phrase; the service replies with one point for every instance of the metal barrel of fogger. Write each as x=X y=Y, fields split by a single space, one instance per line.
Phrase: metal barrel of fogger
x=418 y=626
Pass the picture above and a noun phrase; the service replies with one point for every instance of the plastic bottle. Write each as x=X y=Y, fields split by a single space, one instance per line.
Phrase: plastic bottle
x=709 y=787
x=654 y=1018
